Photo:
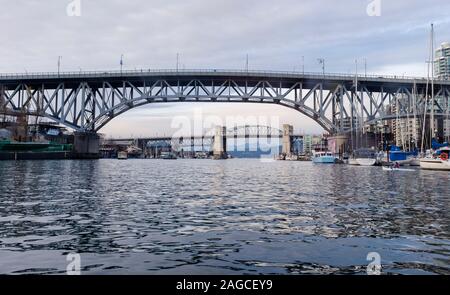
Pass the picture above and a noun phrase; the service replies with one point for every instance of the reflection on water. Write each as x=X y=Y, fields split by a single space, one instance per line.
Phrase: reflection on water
x=220 y=217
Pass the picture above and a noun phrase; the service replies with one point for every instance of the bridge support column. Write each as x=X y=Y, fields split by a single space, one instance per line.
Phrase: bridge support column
x=220 y=143
x=288 y=131
x=86 y=145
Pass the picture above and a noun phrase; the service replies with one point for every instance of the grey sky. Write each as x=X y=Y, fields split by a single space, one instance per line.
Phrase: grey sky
x=218 y=34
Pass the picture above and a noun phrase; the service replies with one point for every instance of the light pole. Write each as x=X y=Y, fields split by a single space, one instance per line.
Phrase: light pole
x=365 y=67
x=178 y=61
x=322 y=62
x=246 y=63
x=121 y=63
x=303 y=64
x=59 y=64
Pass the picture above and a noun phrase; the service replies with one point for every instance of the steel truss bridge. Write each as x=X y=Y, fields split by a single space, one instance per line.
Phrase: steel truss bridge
x=206 y=140
x=87 y=101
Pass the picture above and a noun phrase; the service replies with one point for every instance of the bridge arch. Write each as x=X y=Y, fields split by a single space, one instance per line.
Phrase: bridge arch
x=87 y=101
x=105 y=117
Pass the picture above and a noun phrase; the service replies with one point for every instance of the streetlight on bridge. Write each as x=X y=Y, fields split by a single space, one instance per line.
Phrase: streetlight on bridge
x=303 y=64
x=365 y=67
x=59 y=64
x=246 y=63
x=121 y=63
x=322 y=62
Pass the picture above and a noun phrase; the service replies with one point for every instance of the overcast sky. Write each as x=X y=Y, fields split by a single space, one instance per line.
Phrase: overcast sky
x=218 y=34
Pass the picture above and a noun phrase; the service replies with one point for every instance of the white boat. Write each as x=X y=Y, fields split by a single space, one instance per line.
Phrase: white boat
x=366 y=161
x=414 y=161
x=122 y=155
x=364 y=157
x=433 y=164
x=397 y=169
x=168 y=156
x=133 y=151
x=324 y=158
x=353 y=161
x=291 y=158
x=436 y=161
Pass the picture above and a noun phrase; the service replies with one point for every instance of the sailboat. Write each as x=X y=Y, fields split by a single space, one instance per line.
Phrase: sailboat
x=396 y=155
x=406 y=154
x=365 y=157
x=437 y=157
x=360 y=156
x=415 y=161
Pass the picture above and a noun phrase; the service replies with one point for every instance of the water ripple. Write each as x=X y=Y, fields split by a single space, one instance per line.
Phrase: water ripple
x=220 y=217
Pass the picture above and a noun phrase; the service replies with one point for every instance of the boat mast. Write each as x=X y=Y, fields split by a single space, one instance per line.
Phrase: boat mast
x=398 y=122
x=356 y=97
x=432 y=86
x=407 y=136
x=425 y=108
x=447 y=122
x=415 y=114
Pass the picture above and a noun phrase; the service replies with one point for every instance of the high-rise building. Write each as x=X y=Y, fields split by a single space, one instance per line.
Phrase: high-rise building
x=404 y=130
x=407 y=131
x=442 y=61
x=447 y=129
x=442 y=71
x=298 y=146
x=307 y=144
x=349 y=125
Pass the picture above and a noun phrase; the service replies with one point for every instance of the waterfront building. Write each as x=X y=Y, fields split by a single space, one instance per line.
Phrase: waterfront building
x=307 y=144
x=348 y=124
x=320 y=142
x=447 y=129
x=404 y=130
x=298 y=146
x=442 y=61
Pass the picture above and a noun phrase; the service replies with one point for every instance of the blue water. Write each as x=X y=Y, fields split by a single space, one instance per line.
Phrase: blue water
x=236 y=216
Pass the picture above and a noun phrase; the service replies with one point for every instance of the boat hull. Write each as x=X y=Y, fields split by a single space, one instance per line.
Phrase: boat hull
x=366 y=161
x=122 y=156
x=324 y=160
x=353 y=162
x=414 y=162
x=434 y=164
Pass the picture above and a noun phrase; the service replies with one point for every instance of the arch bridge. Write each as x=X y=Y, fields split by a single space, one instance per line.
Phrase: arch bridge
x=207 y=140
x=87 y=101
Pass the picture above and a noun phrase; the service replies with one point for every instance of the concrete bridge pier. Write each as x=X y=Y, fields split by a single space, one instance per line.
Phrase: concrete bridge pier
x=288 y=131
x=220 y=143
x=86 y=145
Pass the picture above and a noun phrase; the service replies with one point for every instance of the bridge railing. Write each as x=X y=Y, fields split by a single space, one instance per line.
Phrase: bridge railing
x=174 y=72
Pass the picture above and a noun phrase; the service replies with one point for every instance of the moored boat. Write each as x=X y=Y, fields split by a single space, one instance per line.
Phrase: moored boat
x=353 y=161
x=396 y=155
x=122 y=155
x=415 y=161
x=168 y=156
x=324 y=158
x=363 y=157
x=291 y=157
x=366 y=161
x=437 y=160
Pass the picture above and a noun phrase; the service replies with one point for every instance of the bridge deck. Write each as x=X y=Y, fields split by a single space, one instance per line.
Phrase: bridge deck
x=286 y=78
